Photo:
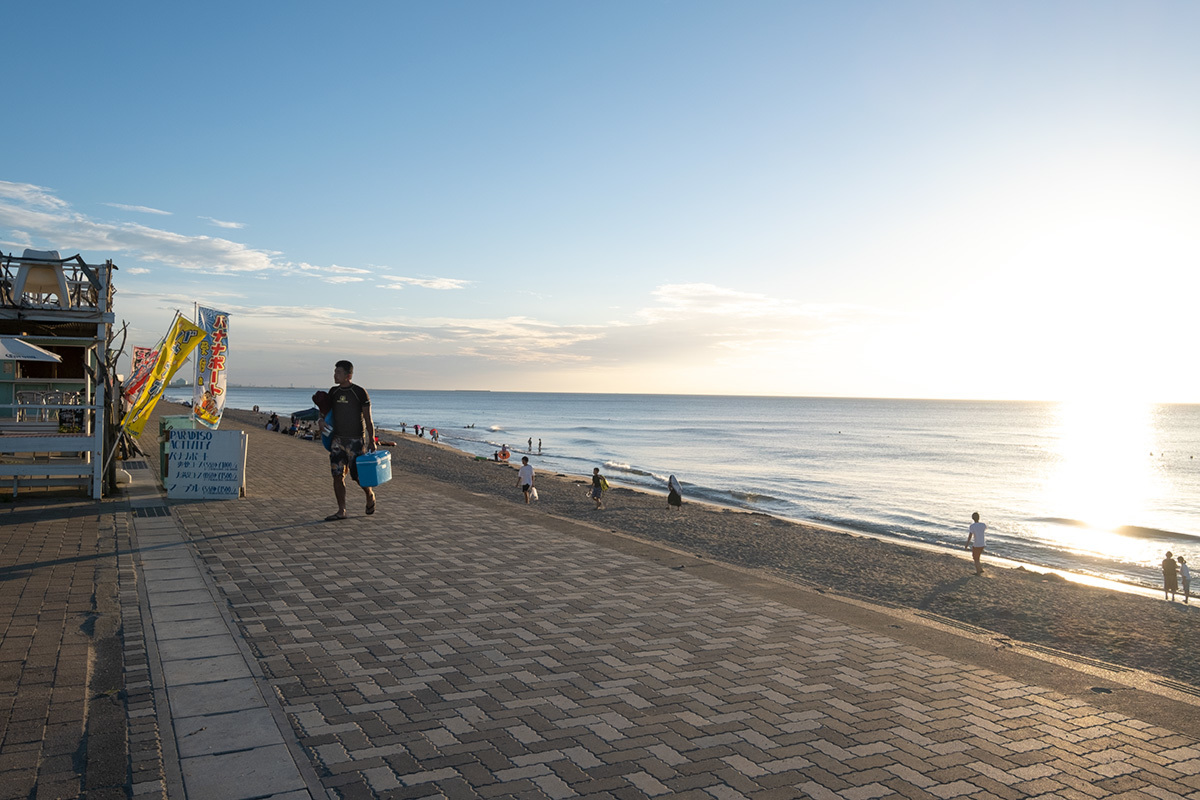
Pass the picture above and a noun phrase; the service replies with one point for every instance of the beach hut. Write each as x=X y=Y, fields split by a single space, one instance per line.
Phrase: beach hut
x=55 y=321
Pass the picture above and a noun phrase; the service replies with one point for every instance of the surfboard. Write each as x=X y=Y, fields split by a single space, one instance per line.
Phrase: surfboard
x=327 y=436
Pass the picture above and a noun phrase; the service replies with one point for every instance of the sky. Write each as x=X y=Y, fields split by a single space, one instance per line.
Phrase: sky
x=993 y=200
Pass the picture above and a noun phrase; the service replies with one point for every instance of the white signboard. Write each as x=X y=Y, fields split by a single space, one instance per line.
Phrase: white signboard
x=206 y=465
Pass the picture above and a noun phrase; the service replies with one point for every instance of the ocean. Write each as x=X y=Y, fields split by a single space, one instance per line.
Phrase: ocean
x=1091 y=489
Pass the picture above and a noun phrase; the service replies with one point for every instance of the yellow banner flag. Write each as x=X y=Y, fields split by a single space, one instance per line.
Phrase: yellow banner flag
x=180 y=342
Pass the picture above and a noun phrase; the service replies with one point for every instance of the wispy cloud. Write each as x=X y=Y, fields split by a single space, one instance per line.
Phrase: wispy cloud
x=704 y=299
x=29 y=195
x=137 y=270
x=139 y=209
x=395 y=282
x=223 y=224
x=39 y=214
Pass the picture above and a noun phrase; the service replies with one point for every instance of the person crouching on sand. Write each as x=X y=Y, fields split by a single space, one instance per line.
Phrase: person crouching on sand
x=674 y=493
x=525 y=477
x=975 y=541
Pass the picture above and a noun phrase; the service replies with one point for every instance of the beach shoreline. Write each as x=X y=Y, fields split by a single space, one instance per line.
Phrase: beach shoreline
x=1134 y=630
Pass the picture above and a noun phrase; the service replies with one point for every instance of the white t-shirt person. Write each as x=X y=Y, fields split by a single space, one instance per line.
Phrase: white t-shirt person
x=975 y=541
x=525 y=477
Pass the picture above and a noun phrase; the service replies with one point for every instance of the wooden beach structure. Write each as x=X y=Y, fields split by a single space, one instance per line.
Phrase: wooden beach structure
x=53 y=419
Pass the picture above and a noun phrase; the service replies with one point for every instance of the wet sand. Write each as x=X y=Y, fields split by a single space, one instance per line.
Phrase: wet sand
x=1120 y=628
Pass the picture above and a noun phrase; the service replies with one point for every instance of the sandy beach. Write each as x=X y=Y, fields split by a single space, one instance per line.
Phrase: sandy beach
x=1123 y=629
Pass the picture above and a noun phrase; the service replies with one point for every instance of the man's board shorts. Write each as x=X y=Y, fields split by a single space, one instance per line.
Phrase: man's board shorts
x=344 y=453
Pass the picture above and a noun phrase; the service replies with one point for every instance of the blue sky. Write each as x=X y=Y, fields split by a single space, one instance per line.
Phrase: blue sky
x=993 y=199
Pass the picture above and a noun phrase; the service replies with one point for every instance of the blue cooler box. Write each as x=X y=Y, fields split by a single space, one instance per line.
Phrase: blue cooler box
x=374 y=468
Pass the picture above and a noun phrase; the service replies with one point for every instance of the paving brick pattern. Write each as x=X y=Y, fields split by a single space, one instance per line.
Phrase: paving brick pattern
x=49 y=560
x=442 y=650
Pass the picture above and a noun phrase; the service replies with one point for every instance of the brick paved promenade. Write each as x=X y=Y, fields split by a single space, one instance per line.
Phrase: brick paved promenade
x=455 y=645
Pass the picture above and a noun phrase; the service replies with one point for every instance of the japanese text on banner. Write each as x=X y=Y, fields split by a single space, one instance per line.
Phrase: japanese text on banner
x=208 y=395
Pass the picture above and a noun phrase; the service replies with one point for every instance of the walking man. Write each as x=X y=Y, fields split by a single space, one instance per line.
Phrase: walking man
x=353 y=434
x=525 y=477
x=975 y=541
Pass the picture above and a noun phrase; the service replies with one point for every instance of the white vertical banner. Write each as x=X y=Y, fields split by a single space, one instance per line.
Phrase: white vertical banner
x=208 y=394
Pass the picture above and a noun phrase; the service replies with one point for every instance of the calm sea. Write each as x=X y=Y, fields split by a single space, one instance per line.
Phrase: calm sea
x=1092 y=490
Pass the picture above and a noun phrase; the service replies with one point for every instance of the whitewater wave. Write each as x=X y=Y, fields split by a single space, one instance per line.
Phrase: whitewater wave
x=616 y=466
x=495 y=428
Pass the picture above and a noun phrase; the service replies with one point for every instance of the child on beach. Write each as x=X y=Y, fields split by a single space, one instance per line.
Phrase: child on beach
x=598 y=487
x=1185 y=576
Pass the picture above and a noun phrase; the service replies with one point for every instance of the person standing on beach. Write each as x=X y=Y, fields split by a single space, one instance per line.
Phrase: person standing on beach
x=975 y=541
x=525 y=477
x=353 y=434
x=597 y=488
x=529 y=449
x=1170 y=581
x=1185 y=576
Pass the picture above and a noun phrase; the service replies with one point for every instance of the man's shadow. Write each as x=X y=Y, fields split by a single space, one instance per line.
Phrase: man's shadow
x=943 y=589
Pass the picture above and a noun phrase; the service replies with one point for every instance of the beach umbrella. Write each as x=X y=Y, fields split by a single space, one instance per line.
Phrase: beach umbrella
x=307 y=415
x=14 y=349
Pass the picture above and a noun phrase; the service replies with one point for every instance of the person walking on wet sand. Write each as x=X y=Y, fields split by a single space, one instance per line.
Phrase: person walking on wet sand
x=1185 y=577
x=353 y=434
x=525 y=477
x=1170 y=580
x=975 y=541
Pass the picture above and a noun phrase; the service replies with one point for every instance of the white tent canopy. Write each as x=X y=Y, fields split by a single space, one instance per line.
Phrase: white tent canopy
x=14 y=349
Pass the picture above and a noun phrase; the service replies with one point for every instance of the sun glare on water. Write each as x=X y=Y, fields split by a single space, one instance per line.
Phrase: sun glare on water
x=1103 y=476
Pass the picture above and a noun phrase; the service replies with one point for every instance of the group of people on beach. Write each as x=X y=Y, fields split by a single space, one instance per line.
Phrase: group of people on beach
x=1175 y=569
x=345 y=418
x=291 y=429
x=420 y=431
x=599 y=486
